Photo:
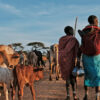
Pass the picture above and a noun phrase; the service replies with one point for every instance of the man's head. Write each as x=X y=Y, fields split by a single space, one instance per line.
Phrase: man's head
x=69 y=30
x=92 y=19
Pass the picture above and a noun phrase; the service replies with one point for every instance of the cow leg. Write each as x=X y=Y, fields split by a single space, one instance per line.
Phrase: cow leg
x=20 y=91
x=13 y=93
x=57 y=73
x=14 y=90
x=38 y=62
x=50 y=77
x=42 y=62
x=67 y=89
x=32 y=91
x=6 y=91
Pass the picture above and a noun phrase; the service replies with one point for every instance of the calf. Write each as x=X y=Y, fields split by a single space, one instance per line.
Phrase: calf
x=26 y=75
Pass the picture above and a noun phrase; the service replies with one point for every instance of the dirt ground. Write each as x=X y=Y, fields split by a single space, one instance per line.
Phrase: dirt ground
x=53 y=90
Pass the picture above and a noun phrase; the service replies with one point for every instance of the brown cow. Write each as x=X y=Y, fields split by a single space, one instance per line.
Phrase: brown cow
x=25 y=75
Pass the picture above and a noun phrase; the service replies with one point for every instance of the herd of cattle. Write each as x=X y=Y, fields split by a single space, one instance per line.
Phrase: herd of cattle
x=18 y=69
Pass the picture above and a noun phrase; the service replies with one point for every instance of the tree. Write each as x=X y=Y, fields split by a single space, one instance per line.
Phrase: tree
x=17 y=46
x=36 y=45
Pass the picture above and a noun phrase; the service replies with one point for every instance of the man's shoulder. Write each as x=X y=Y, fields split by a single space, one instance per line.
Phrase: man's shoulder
x=63 y=37
x=68 y=37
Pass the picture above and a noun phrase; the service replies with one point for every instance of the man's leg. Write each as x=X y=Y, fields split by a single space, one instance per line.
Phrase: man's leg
x=67 y=89
x=97 y=93
x=73 y=84
x=86 y=93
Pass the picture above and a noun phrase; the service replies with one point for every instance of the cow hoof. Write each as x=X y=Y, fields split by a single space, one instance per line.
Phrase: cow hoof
x=57 y=78
x=50 y=78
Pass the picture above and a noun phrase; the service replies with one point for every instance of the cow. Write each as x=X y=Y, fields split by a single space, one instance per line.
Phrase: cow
x=8 y=57
x=40 y=60
x=25 y=75
x=23 y=57
x=53 y=60
x=6 y=78
x=35 y=58
x=32 y=59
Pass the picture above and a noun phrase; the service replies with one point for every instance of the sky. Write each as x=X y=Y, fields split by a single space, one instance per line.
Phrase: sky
x=25 y=21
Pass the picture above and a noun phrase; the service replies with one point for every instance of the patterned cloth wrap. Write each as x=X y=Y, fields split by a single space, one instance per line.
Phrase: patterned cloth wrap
x=92 y=70
x=68 y=49
x=91 y=55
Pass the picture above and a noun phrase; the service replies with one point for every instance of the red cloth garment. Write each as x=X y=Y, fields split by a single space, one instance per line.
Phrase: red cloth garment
x=91 y=41
x=68 y=49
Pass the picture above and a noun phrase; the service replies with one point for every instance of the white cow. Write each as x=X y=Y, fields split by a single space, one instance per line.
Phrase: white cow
x=53 y=59
x=6 y=77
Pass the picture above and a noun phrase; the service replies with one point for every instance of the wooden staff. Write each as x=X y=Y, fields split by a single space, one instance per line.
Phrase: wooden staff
x=75 y=25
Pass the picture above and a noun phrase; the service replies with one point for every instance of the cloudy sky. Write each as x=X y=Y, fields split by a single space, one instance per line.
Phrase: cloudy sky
x=27 y=21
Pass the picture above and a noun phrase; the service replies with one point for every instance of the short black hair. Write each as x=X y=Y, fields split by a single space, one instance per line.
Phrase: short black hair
x=91 y=19
x=69 y=30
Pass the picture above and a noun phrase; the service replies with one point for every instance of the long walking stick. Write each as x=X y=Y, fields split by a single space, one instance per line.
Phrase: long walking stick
x=75 y=25
x=74 y=36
